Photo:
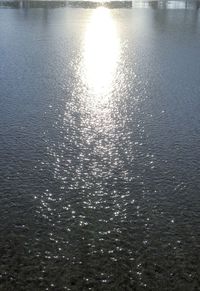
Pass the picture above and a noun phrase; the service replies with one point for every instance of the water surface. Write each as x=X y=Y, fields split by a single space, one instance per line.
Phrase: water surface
x=99 y=148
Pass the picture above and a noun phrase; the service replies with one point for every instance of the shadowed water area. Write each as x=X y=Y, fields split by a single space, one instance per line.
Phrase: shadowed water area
x=99 y=146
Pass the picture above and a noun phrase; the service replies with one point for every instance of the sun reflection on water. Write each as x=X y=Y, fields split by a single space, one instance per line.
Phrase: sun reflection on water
x=101 y=52
x=86 y=157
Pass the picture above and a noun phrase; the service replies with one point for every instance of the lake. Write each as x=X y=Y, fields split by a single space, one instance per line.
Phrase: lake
x=99 y=146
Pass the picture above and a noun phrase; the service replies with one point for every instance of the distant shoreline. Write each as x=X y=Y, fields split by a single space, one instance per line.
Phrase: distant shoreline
x=126 y=4
x=63 y=3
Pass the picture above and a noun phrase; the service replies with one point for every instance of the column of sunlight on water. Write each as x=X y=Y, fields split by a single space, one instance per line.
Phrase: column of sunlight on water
x=99 y=66
x=101 y=52
x=98 y=71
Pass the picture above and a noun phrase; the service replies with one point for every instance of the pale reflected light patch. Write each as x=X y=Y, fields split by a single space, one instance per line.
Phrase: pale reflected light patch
x=99 y=72
x=101 y=52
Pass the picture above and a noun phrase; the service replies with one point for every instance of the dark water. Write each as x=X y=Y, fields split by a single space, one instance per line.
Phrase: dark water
x=99 y=148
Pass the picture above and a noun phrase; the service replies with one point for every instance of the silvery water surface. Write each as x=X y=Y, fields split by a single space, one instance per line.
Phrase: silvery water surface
x=100 y=135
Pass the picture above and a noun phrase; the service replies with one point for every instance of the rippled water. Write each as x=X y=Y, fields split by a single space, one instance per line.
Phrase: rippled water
x=100 y=132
